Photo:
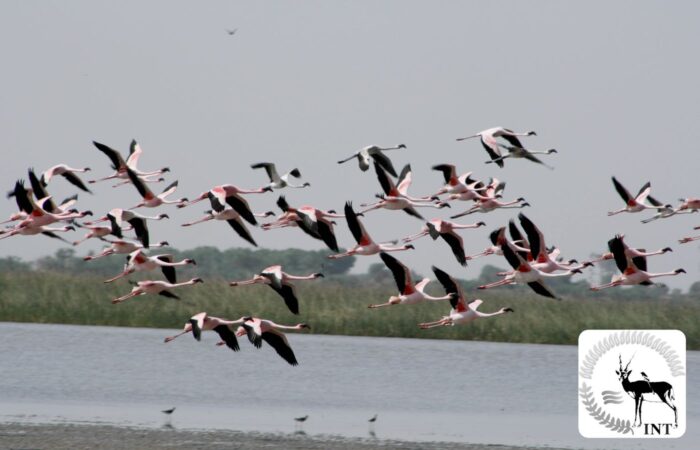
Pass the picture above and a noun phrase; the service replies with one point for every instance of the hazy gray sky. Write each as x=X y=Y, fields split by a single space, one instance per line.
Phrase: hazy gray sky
x=611 y=85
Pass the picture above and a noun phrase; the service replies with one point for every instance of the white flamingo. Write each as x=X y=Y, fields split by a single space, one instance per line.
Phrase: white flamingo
x=490 y=143
x=204 y=322
x=280 y=282
x=259 y=330
x=374 y=152
x=277 y=181
x=155 y=287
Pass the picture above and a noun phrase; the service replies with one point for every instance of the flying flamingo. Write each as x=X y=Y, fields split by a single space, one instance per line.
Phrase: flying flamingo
x=310 y=220
x=317 y=220
x=137 y=221
x=233 y=219
x=375 y=153
x=629 y=252
x=259 y=330
x=409 y=293
x=26 y=204
x=34 y=230
x=635 y=204
x=365 y=245
x=150 y=200
x=120 y=166
x=490 y=202
x=155 y=287
x=689 y=203
x=277 y=181
x=289 y=218
x=140 y=261
x=634 y=269
x=491 y=145
x=122 y=247
x=461 y=312
x=542 y=259
x=460 y=186
x=228 y=194
x=396 y=196
x=69 y=173
x=666 y=211
x=525 y=274
x=442 y=228
x=96 y=232
x=280 y=282
x=519 y=152
x=204 y=322
x=40 y=192
x=685 y=240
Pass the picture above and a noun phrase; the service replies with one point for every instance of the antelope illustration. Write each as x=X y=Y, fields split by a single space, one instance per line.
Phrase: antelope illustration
x=641 y=390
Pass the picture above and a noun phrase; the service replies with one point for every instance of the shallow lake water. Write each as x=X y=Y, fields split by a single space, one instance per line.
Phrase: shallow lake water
x=422 y=389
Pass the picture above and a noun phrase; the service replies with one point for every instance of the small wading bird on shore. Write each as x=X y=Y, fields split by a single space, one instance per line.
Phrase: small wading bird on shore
x=280 y=282
x=375 y=153
x=461 y=312
x=491 y=145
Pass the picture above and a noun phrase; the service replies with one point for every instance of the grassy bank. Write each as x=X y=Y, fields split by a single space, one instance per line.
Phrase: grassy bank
x=332 y=307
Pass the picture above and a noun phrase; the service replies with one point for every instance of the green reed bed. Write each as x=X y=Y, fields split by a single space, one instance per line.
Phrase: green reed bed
x=333 y=307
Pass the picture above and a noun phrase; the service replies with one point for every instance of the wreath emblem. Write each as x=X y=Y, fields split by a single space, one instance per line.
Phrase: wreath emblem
x=597 y=351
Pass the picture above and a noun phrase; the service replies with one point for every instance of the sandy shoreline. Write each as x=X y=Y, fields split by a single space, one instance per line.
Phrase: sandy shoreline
x=17 y=436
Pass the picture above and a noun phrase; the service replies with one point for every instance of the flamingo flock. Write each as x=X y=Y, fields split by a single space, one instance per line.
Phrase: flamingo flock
x=532 y=261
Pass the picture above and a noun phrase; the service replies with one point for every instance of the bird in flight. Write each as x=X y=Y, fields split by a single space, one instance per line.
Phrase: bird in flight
x=231 y=32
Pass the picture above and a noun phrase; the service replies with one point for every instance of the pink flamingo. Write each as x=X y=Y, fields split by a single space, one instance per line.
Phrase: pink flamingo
x=231 y=195
x=634 y=269
x=442 y=228
x=461 y=312
x=150 y=200
x=139 y=261
x=396 y=196
x=365 y=245
x=410 y=293
x=525 y=274
x=120 y=166
x=635 y=204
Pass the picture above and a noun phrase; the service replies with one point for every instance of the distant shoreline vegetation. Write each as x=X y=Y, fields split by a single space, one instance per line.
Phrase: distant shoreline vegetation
x=63 y=288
